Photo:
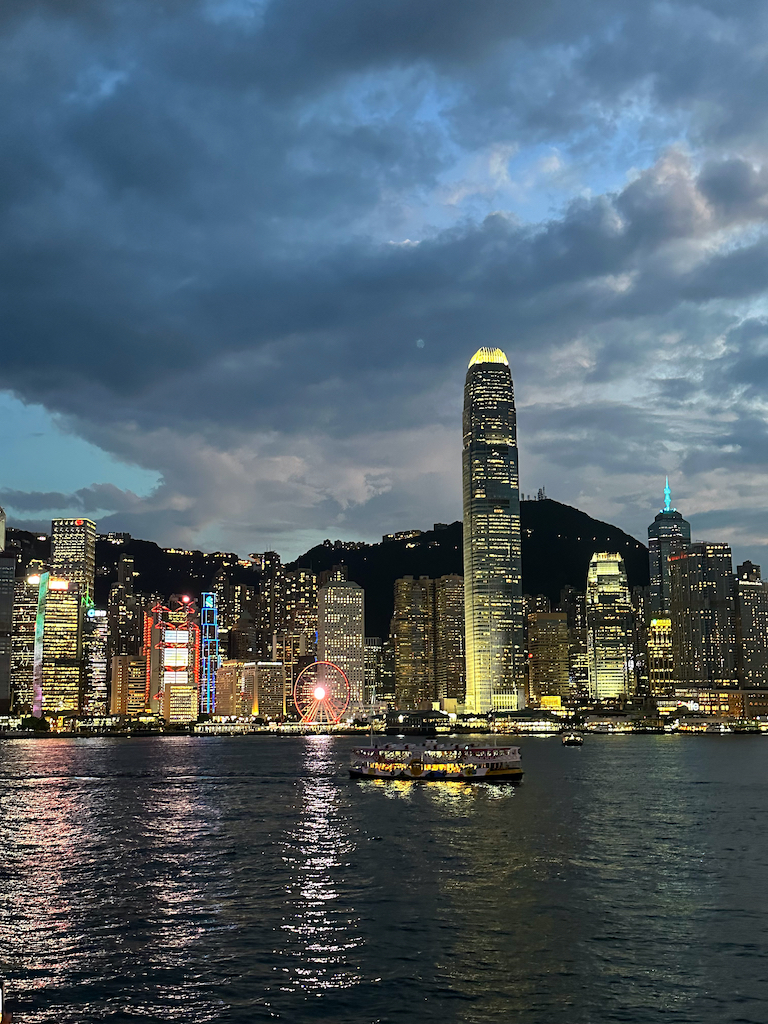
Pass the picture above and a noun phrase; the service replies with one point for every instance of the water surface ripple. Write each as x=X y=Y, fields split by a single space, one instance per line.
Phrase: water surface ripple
x=248 y=879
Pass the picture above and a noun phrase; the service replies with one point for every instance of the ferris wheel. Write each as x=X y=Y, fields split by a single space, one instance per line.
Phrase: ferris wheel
x=321 y=693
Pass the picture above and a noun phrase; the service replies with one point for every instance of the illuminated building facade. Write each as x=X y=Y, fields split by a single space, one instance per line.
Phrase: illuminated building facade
x=124 y=612
x=493 y=595
x=209 y=652
x=609 y=627
x=667 y=534
x=301 y=604
x=661 y=676
x=751 y=594
x=413 y=634
x=128 y=685
x=73 y=553
x=236 y=688
x=57 y=667
x=271 y=600
x=372 y=669
x=294 y=652
x=172 y=650
x=573 y=603
x=703 y=616
x=95 y=631
x=548 y=650
x=450 y=660
x=7 y=588
x=270 y=701
x=26 y=590
x=341 y=632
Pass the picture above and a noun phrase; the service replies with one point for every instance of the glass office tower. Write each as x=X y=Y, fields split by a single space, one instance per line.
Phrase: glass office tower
x=493 y=598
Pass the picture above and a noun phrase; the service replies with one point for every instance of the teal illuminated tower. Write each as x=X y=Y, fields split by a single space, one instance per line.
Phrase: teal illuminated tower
x=493 y=596
x=666 y=535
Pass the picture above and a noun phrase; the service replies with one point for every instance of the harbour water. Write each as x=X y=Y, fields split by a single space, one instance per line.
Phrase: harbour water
x=248 y=879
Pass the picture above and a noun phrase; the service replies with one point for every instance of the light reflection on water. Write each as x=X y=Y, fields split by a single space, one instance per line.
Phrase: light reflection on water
x=320 y=930
x=250 y=879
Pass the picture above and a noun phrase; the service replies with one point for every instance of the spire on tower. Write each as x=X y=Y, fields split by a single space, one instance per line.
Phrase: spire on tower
x=667 y=498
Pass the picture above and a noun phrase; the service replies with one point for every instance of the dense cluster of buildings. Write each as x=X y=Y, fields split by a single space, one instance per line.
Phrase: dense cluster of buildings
x=472 y=644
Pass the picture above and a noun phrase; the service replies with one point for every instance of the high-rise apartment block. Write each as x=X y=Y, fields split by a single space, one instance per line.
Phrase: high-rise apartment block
x=703 y=616
x=493 y=593
x=341 y=632
x=609 y=627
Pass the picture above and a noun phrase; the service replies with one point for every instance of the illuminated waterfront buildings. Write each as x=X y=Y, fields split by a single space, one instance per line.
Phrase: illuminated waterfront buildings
x=341 y=632
x=667 y=534
x=609 y=627
x=703 y=616
x=492 y=545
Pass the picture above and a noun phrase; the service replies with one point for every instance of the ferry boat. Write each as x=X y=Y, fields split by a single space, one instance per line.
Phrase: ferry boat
x=572 y=739
x=428 y=762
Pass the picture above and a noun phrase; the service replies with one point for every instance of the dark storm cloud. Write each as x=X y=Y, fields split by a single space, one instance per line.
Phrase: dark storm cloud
x=202 y=201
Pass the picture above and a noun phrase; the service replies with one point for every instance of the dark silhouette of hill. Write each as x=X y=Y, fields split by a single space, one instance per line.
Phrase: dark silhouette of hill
x=558 y=542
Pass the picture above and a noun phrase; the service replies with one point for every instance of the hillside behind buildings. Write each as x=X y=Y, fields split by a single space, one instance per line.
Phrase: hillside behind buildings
x=558 y=542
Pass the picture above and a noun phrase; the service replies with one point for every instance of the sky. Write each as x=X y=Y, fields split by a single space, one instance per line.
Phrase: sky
x=248 y=247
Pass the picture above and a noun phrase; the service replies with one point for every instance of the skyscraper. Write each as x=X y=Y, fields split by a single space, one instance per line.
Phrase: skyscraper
x=703 y=616
x=341 y=632
x=58 y=666
x=751 y=626
x=73 y=553
x=413 y=634
x=23 y=640
x=609 y=627
x=450 y=659
x=548 y=650
x=666 y=535
x=493 y=595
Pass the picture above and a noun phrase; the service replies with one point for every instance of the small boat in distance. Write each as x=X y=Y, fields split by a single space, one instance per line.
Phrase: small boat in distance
x=431 y=762
x=572 y=739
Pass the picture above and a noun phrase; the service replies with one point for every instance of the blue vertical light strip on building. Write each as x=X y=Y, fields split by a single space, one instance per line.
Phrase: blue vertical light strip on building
x=209 y=645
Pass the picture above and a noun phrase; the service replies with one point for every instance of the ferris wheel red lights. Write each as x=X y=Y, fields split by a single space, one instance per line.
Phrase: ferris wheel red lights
x=321 y=693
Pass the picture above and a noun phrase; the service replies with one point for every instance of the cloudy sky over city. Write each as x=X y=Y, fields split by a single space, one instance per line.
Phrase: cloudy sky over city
x=249 y=246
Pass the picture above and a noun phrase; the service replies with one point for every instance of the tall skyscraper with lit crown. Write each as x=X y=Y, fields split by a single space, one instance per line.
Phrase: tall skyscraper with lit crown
x=666 y=535
x=493 y=594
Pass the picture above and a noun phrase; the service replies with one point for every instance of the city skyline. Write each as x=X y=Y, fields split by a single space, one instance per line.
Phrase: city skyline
x=371 y=217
